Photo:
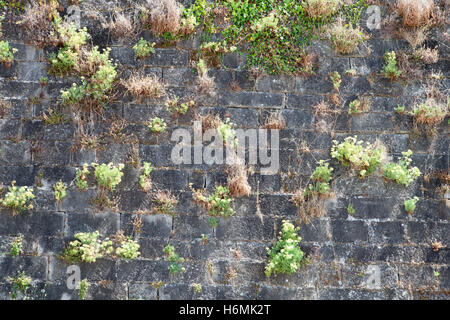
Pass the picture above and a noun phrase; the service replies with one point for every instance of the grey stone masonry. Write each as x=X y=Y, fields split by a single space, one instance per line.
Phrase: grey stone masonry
x=345 y=250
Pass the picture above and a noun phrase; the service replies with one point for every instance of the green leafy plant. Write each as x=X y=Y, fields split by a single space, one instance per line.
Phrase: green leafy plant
x=213 y=222
x=285 y=256
x=63 y=62
x=108 y=176
x=53 y=117
x=359 y=105
x=143 y=49
x=410 y=205
x=83 y=287
x=275 y=33
x=400 y=109
x=87 y=248
x=144 y=178
x=352 y=153
x=81 y=177
x=390 y=69
x=43 y=81
x=18 y=199
x=227 y=133
x=20 y=284
x=321 y=180
x=350 y=209
x=401 y=171
x=98 y=74
x=197 y=287
x=157 y=125
x=59 y=191
x=336 y=79
x=16 y=5
x=217 y=204
x=174 y=260
x=6 y=53
x=204 y=239
x=16 y=247
x=129 y=249
x=177 y=108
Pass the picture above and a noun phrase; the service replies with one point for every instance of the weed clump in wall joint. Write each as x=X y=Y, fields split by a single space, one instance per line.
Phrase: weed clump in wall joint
x=344 y=37
x=429 y=113
x=165 y=203
x=21 y=284
x=390 y=69
x=144 y=179
x=410 y=205
x=415 y=12
x=18 y=199
x=365 y=159
x=174 y=260
x=143 y=49
x=157 y=125
x=143 y=86
x=310 y=200
x=162 y=16
x=6 y=53
x=59 y=191
x=285 y=256
x=216 y=205
x=16 y=247
x=81 y=177
x=401 y=172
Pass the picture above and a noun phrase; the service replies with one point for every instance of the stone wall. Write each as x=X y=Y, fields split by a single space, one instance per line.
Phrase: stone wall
x=342 y=248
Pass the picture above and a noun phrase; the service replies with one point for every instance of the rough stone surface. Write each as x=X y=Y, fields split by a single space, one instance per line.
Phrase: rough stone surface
x=346 y=252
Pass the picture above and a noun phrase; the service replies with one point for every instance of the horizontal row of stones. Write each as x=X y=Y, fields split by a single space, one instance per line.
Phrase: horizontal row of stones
x=59 y=225
x=348 y=275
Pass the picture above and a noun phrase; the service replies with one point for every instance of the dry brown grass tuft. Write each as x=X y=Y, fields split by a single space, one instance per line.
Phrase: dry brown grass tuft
x=415 y=12
x=121 y=26
x=238 y=181
x=204 y=83
x=144 y=86
x=275 y=121
x=437 y=245
x=37 y=21
x=165 y=202
x=321 y=8
x=414 y=36
x=210 y=121
x=162 y=16
x=429 y=113
x=308 y=209
x=426 y=55
x=344 y=37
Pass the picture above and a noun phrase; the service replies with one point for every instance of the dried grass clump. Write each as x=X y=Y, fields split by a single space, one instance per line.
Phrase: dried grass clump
x=162 y=16
x=165 y=203
x=308 y=209
x=321 y=8
x=238 y=181
x=426 y=55
x=414 y=36
x=344 y=37
x=204 y=83
x=210 y=121
x=121 y=26
x=429 y=113
x=37 y=22
x=275 y=121
x=144 y=86
x=415 y=12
